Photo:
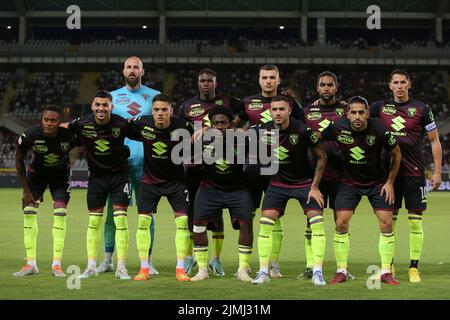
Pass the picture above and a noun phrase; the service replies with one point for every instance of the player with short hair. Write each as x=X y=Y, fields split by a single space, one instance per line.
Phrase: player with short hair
x=195 y=110
x=132 y=100
x=361 y=140
x=102 y=135
x=317 y=117
x=162 y=177
x=257 y=111
x=293 y=180
x=223 y=186
x=409 y=119
x=50 y=145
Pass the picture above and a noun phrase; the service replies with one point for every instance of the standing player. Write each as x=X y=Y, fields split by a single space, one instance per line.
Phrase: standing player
x=161 y=178
x=50 y=145
x=132 y=100
x=257 y=108
x=102 y=134
x=196 y=110
x=293 y=180
x=222 y=187
x=409 y=119
x=361 y=141
x=317 y=117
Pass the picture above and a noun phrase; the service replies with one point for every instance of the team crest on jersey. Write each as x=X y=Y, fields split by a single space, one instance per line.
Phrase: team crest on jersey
x=293 y=138
x=218 y=102
x=255 y=106
x=345 y=139
x=339 y=112
x=314 y=115
x=115 y=132
x=370 y=139
x=64 y=146
x=145 y=96
x=196 y=110
x=412 y=112
x=389 y=109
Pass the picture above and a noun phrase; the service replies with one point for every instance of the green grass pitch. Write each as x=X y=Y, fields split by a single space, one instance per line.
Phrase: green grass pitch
x=435 y=263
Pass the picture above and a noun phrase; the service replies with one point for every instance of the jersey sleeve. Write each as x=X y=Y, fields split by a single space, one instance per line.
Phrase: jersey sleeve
x=181 y=113
x=329 y=133
x=375 y=108
x=23 y=142
x=312 y=138
x=428 y=122
x=238 y=107
x=133 y=129
x=388 y=139
x=297 y=110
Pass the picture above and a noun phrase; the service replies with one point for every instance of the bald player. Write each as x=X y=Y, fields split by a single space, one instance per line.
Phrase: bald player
x=130 y=101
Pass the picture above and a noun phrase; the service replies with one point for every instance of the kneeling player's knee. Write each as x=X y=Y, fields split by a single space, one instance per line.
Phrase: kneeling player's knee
x=200 y=236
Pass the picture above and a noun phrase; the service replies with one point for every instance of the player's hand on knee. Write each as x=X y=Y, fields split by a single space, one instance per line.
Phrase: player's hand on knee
x=388 y=191
x=316 y=195
x=28 y=200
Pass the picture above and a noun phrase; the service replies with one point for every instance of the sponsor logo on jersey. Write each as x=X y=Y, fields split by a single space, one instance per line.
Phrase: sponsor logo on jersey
x=357 y=153
x=398 y=123
x=160 y=148
x=268 y=138
x=281 y=153
x=389 y=109
x=339 y=112
x=346 y=132
x=412 y=112
x=89 y=133
x=324 y=124
x=40 y=148
x=266 y=116
x=133 y=109
x=196 y=110
x=255 y=106
x=293 y=138
x=345 y=139
x=88 y=127
x=222 y=165
x=148 y=134
x=115 y=132
x=102 y=145
x=314 y=116
x=64 y=146
x=370 y=139
x=51 y=160
x=123 y=100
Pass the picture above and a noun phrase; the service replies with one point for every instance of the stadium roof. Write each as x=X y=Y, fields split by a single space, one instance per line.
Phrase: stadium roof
x=415 y=9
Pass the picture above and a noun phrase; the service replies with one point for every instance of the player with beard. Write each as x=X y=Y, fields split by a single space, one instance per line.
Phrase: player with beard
x=102 y=135
x=318 y=116
x=130 y=101
x=257 y=109
x=195 y=110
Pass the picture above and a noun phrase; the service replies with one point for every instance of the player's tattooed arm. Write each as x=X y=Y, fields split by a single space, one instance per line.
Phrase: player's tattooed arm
x=388 y=188
x=436 y=150
x=27 y=198
x=321 y=156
